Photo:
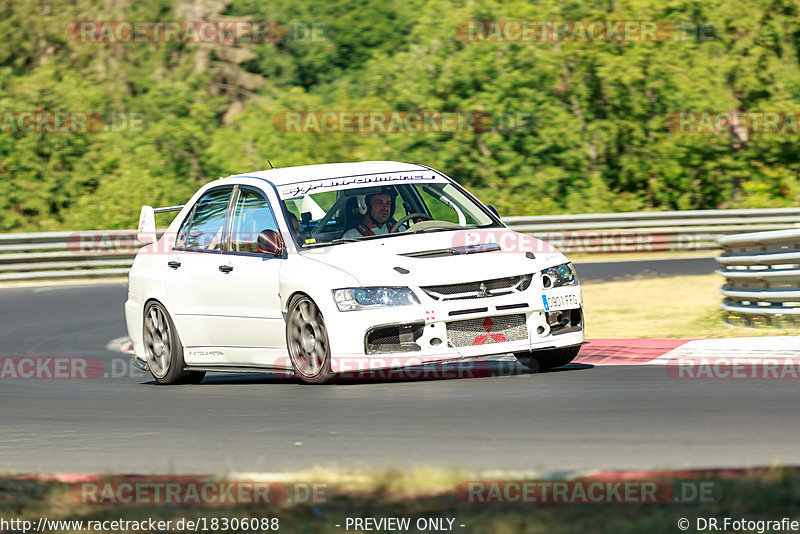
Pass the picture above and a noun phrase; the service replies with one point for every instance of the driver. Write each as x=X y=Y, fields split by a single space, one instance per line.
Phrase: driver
x=378 y=219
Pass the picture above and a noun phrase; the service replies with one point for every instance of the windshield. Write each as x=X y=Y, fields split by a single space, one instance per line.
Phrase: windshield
x=333 y=216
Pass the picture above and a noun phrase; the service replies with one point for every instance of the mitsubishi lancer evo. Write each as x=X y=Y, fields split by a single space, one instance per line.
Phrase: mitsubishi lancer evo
x=319 y=270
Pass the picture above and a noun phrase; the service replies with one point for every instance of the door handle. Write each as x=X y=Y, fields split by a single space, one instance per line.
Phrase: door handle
x=225 y=269
x=174 y=264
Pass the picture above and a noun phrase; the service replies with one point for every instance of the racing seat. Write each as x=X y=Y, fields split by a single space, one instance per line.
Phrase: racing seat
x=350 y=214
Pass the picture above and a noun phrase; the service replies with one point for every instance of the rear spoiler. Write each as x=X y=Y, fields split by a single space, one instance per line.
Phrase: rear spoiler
x=147 y=222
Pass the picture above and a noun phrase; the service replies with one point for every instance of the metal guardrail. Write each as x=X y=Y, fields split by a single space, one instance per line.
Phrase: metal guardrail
x=681 y=231
x=53 y=255
x=762 y=278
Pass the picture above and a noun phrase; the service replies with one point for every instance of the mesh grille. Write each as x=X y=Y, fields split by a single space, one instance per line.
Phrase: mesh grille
x=386 y=339
x=487 y=330
x=473 y=290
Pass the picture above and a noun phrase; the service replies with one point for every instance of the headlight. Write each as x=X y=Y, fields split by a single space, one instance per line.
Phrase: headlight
x=364 y=298
x=560 y=275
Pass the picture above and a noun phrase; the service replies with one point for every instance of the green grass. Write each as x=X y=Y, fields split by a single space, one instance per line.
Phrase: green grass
x=678 y=307
x=760 y=494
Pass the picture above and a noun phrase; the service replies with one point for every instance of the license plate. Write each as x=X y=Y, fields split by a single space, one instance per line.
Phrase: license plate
x=565 y=301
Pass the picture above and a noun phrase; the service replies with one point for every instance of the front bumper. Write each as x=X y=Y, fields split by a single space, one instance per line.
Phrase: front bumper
x=451 y=331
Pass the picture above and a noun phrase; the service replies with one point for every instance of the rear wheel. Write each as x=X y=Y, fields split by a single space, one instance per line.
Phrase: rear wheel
x=542 y=360
x=307 y=341
x=163 y=350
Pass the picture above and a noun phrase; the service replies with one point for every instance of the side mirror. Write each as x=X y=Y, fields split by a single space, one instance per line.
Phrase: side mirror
x=271 y=242
x=493 y=210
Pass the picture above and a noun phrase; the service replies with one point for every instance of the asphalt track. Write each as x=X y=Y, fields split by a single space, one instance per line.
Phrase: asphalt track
x=622 y=270
x=578 y=418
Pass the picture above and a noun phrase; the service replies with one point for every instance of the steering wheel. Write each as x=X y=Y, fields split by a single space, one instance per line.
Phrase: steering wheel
x=416 y=214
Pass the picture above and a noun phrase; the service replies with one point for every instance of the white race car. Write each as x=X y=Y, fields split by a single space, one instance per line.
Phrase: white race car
x=339 y=268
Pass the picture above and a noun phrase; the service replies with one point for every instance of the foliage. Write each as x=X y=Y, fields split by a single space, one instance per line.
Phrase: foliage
x=596 y=137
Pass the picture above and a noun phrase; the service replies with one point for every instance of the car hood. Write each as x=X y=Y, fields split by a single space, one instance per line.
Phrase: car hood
x=439 y=257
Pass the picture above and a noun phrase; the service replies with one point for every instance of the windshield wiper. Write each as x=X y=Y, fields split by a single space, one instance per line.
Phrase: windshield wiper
x=329 y=243
x=437 y=229
x=312 y=245
x=346 y=240
x=341 y=240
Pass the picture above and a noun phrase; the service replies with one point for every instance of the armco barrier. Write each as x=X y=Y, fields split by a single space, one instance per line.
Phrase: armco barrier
x=54 y=255
x=695 y=230
x=762 y=278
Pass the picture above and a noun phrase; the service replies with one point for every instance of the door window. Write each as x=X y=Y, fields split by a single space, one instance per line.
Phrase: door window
x=203 y=228
x=251 y=215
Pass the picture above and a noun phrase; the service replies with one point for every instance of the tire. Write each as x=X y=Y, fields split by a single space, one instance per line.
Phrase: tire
x=307 y=341
x=163 y=349
x=544 y=360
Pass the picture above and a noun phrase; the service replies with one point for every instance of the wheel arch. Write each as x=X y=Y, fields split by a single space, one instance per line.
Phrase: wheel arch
x=299 y=361
x=169 y=313
x=294 y=295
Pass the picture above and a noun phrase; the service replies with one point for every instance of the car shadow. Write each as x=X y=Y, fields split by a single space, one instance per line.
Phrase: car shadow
x=455 y=371
x=421 y=373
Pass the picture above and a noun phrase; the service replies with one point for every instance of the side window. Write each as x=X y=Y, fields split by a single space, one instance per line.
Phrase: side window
x=408 y=201
x=401 y=207
x=251 y=215
x=202 y=230
x=447 y=204
x=438 y=209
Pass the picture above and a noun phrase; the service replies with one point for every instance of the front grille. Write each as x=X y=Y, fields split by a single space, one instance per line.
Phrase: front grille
x=480 y=289
x=487 y=330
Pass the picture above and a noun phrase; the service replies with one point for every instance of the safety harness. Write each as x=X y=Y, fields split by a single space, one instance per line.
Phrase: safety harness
x=364 y=231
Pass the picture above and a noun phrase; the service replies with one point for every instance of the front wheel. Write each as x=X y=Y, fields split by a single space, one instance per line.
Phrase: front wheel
x=543 y=360
x=307 y=341
x=163 y=350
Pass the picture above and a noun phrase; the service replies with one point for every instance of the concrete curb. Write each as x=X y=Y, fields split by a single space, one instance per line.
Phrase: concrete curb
x=664 y=351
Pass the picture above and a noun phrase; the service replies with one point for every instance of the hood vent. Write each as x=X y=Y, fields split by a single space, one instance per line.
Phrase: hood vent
x=454 y=251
